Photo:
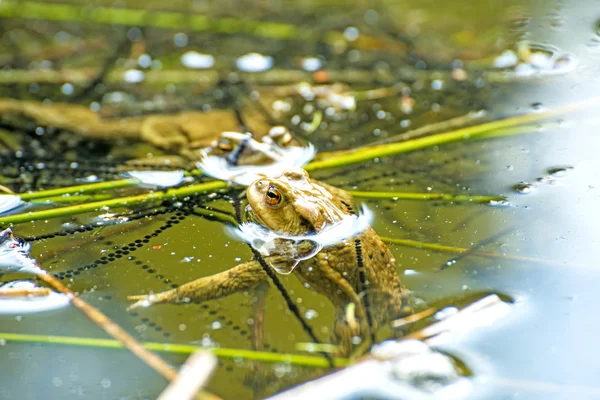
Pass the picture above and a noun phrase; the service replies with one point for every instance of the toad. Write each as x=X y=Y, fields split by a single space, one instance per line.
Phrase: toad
x=295 y=205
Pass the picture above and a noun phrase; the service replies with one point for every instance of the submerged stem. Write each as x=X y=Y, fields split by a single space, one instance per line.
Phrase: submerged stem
x=173 y=348
x=425 y=196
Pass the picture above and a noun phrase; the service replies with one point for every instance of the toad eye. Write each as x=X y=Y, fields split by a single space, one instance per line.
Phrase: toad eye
x=225 y=144
x=273 y=196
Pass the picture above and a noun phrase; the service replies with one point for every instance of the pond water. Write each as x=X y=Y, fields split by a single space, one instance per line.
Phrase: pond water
x=438 y=59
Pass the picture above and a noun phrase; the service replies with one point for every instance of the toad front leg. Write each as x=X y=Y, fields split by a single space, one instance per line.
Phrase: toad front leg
x=242 y=277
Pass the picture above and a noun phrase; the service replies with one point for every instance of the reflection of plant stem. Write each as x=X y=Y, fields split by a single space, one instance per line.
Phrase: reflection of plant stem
x=495 y=237
x=492 y=129
x=173 y=348
x=425 y=196
x=119 y=202
x=460 y=250
x=452 y=123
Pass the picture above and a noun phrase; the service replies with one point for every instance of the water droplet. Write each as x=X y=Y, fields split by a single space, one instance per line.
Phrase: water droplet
x=67 y=89
x=145 y=60
x=311 y=314
x=180 y=39
x=437 y=84
x=133 y=76
x=311 y=64
x=523 y=187
x=193 y=59
x=537 y=106
x=351 y=33
x=254 y=62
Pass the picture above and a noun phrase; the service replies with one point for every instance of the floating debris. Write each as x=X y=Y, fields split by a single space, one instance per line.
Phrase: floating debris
x=414 y=362
x=404 y=369
x=531 y=60
x=293 y=249
x=338 y=96
x=9 y=202
x=39 y=300
x=225 y=159
x=14 y=255
x=157 y=179
x=554 y=174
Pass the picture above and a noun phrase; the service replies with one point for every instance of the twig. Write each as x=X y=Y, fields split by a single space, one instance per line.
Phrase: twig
x=114 y=330
x=192 y=376
x=6 y=190
x=18 y=292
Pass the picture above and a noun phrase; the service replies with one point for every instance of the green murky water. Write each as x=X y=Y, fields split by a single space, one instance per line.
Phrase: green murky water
x=545 y=346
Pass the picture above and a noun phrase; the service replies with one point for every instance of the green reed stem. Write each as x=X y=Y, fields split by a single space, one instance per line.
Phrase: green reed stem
x=119 y=202
x=86 y=13
x=460 y=250
x=87 y=188
x=425 y=196
x=497 y=128
x=84 y=198
x=294 y=359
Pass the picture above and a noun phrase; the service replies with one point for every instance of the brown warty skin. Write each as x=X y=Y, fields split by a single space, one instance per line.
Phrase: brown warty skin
x=294 y=204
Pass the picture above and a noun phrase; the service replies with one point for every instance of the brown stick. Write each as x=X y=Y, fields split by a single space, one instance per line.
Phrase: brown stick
x=17 y=292
x=193 y=375
x=114 y=330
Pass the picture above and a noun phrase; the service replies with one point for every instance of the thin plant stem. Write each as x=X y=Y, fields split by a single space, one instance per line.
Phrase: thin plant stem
x=69 y=199
x=79 y=189
x=461 y=250
x=180 y=20
x=425 y=196
x=452 y=123
x=119 y=202
x=497 y=128
x=174 y=348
